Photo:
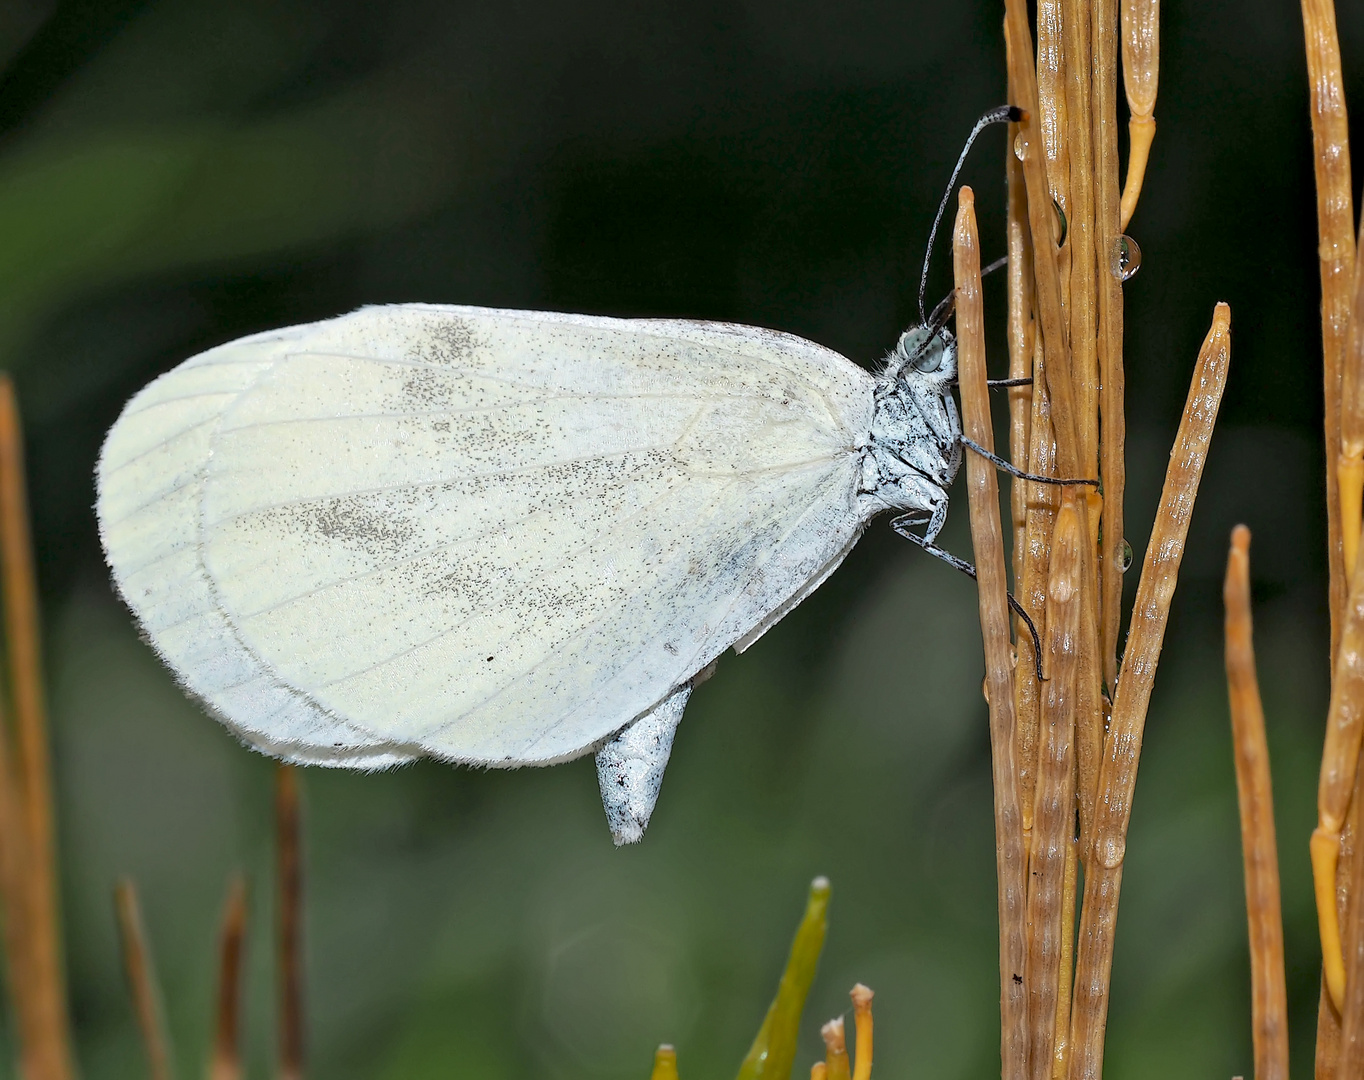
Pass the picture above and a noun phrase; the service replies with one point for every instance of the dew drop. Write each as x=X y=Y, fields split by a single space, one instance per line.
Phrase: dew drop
x=1126 y=259
x=1020 y=147
x=1125 y=562
x=1061 y=221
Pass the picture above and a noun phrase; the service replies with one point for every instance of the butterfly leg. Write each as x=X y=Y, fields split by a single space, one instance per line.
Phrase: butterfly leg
x=902 y=525
x=630 y=766
x=1013 y=470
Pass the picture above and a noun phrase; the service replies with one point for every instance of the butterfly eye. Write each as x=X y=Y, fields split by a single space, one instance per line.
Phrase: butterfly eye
x=922 y=349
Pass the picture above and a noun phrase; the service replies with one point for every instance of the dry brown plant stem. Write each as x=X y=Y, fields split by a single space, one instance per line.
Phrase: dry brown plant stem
x=1108 y=294
x=1140 y=73
x=1060 y=1063
x=142 y=981
x=1339 y=763
x=1336 y=252
x=987 y=540
x=225 y=1063
x=1255 y=796
x=1043 y=501
x=1080 y=232
x=289 y=871
x=1077 y=26
x=14 y=889
x=1042 y=222
x=1335 y=229
x=1351 y=1047
x=1122 y=747
x=50 y=1058
x=1350 y=463
x=1020 y=336
x=1054 y=816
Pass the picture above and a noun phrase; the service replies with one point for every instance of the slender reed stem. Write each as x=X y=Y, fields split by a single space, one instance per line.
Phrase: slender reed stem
x=1043 y=501
x=1108 y=293
x=142 y=981
x=1140 y=73
x=1339 y=765
x=1351 y=1063
x=1335 y=229
x=16 y=895
x=226 y=1064
x=1336 y=253
x=1269 y=997
x=288 y=857
x=987 y=539
x=1060 y=1062
x=45 y=983
x=1054 y=125
x=1042 y=222
x=1122 y=747
x=1350 y=463
x=1054 y=816
x=1020 y=334
x=1080 y=233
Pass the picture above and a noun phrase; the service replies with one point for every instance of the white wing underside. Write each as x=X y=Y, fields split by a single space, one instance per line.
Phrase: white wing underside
x=489 y=536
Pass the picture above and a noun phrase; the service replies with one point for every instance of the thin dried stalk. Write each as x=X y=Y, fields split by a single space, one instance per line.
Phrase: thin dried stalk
x=1084 y=368
x=1060 y=1061
x=1122 y=748
x=1339 y=765
x=818 y=1071
x=1054 y=816
x=988 y=542
x=1140 y=73
x=16 y=894
x=1269 y=997
x=1080 y=234
x=1054 y=122
x=142 y=981
x=1042 y=222
x=1108 y=293
x=1020 y=335
x=1329 y=1023
x=1351 y=1046
x=290 y=884
x=1350 y=463
x=1043 y=501
x=1336 y=250
x=44 y=986
x=226 y=1063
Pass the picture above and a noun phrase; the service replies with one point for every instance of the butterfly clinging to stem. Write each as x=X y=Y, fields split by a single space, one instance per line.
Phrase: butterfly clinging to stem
x=501 y=537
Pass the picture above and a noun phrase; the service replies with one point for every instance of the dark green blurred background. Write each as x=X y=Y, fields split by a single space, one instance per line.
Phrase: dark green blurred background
x=176 y=174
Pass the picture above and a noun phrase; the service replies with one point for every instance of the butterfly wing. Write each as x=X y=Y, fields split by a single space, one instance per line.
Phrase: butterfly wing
x=150 y=479
x=500 y=536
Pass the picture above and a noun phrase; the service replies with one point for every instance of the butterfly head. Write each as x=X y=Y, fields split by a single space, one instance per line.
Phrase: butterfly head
x=925 y=356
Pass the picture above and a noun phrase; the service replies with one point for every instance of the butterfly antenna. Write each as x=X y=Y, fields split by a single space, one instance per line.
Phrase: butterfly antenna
x=1012 y=114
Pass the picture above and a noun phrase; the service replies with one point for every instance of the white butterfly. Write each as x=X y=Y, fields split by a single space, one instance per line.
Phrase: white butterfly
x=501 y=537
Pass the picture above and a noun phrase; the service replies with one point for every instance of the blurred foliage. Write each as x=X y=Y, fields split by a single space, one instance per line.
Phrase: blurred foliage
x=177 y=173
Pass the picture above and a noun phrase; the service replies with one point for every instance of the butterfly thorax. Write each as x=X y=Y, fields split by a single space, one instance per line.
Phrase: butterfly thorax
x=915 y=446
